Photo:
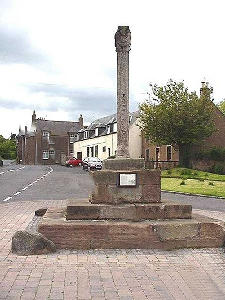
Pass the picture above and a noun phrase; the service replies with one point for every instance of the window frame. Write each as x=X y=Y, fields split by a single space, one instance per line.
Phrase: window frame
x=45 y=154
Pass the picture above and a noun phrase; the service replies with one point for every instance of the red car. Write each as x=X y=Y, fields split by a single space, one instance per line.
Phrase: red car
x=73 y=162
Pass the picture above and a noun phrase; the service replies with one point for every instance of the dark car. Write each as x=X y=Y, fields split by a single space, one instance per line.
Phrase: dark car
x=92 y=163
x=73 y=162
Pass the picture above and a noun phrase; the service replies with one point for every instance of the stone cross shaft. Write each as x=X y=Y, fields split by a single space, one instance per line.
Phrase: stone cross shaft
x=122 y=43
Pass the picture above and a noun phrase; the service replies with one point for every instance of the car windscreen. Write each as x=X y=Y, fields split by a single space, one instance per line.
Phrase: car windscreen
x=95 y=159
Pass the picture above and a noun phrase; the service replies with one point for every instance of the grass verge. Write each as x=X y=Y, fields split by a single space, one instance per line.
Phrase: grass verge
x=193 y=182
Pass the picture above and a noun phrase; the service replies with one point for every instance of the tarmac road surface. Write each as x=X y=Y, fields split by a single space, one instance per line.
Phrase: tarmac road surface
x=43 y=183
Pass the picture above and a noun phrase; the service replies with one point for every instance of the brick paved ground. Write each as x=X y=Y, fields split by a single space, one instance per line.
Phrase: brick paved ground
x=108 y=274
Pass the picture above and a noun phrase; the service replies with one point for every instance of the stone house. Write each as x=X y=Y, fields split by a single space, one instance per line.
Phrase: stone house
x=99 y=139
x=48 y=142
x=166 y=155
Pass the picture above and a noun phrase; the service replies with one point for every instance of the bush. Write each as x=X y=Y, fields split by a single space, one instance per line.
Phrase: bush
x=186 y=172
x=217 y=169
x=216 y=153
x=182 y=182
x=211 y=183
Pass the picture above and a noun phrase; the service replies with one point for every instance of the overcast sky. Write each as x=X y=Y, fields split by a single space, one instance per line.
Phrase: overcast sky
x=58 y=57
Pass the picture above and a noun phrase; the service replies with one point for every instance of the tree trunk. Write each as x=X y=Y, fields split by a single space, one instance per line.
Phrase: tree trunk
x=185 y=155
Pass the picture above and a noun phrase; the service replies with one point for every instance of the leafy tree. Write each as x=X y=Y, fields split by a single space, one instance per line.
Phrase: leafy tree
x=7 y=148
x=177 y=117
x=221 y=106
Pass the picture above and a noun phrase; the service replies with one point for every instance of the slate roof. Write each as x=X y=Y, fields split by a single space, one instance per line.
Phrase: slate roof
x=109 y=120
x=103 y=122
x=57 y=127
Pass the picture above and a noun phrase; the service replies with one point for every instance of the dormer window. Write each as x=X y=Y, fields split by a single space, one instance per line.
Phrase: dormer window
x=45 y=134
x=72 y=135
x=109 y=128
x=86 y=135
x=96 y=131
x=115 y=127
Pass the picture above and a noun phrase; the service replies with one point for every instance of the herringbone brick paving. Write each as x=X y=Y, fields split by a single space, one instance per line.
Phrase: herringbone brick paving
x=105 y=274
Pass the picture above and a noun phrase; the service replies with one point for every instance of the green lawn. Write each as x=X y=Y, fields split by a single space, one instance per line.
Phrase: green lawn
x=191 y=174
x=195 y=182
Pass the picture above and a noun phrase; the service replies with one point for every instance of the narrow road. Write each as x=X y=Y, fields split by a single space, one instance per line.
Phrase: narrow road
x=197 y=202
x=43 y=183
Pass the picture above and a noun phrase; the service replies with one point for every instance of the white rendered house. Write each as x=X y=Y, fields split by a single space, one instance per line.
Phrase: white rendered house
x=99 y=139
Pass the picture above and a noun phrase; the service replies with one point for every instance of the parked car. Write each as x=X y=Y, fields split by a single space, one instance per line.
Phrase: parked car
x=73 y=162
x=92 y=163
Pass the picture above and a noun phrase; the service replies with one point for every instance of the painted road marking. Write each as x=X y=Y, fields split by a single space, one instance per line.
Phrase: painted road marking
x=17 y=193
x=26 y=187
x=7 y=199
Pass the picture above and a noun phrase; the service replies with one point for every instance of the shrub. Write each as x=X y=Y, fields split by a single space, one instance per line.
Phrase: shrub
x=217 y=169
x=186 y=172
x=169 y=172
x=211 y=183
x=182 y=182
x=216 y=153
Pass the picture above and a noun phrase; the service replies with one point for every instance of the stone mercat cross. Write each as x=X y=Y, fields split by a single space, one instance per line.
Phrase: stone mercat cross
x=122 y=44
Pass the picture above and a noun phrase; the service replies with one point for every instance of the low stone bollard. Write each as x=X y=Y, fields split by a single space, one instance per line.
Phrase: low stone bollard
x=27 y=243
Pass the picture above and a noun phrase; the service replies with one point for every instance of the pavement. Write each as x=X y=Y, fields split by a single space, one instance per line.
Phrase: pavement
x=105 y=274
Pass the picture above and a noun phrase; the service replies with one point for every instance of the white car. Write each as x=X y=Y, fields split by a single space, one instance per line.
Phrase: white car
x=92 y=163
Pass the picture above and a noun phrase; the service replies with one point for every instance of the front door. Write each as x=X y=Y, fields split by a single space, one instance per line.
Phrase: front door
x=79 y=155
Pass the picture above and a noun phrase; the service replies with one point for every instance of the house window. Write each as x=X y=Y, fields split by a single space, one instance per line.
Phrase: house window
x=111 y=128
x=147 y=154
x=104 y=149
x=45 y=154
x=157 y=153
x=169 y=152
x=46 y=134
x=52 y=152
x=115 y=127
x=109 y=152
x=88 y=151
x=96 y=151
x=72 y=135
x=86 y=135
x=96 y=131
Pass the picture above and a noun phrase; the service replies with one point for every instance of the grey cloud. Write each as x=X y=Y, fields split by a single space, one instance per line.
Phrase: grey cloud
x=82 y=100
x=92 y=103
x=16 y=48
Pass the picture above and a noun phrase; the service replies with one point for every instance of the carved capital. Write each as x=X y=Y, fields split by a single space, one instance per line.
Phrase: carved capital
x=123 y=39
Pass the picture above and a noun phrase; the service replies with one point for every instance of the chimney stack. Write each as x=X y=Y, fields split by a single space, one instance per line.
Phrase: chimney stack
x=81 y=121
x=33 y=117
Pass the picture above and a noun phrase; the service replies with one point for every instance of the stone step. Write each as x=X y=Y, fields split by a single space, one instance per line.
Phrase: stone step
x=115 y=234
x=134 y=212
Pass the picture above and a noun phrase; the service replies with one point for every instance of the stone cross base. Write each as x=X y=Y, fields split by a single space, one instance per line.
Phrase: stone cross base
x=126 y=180
x=114 y=187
